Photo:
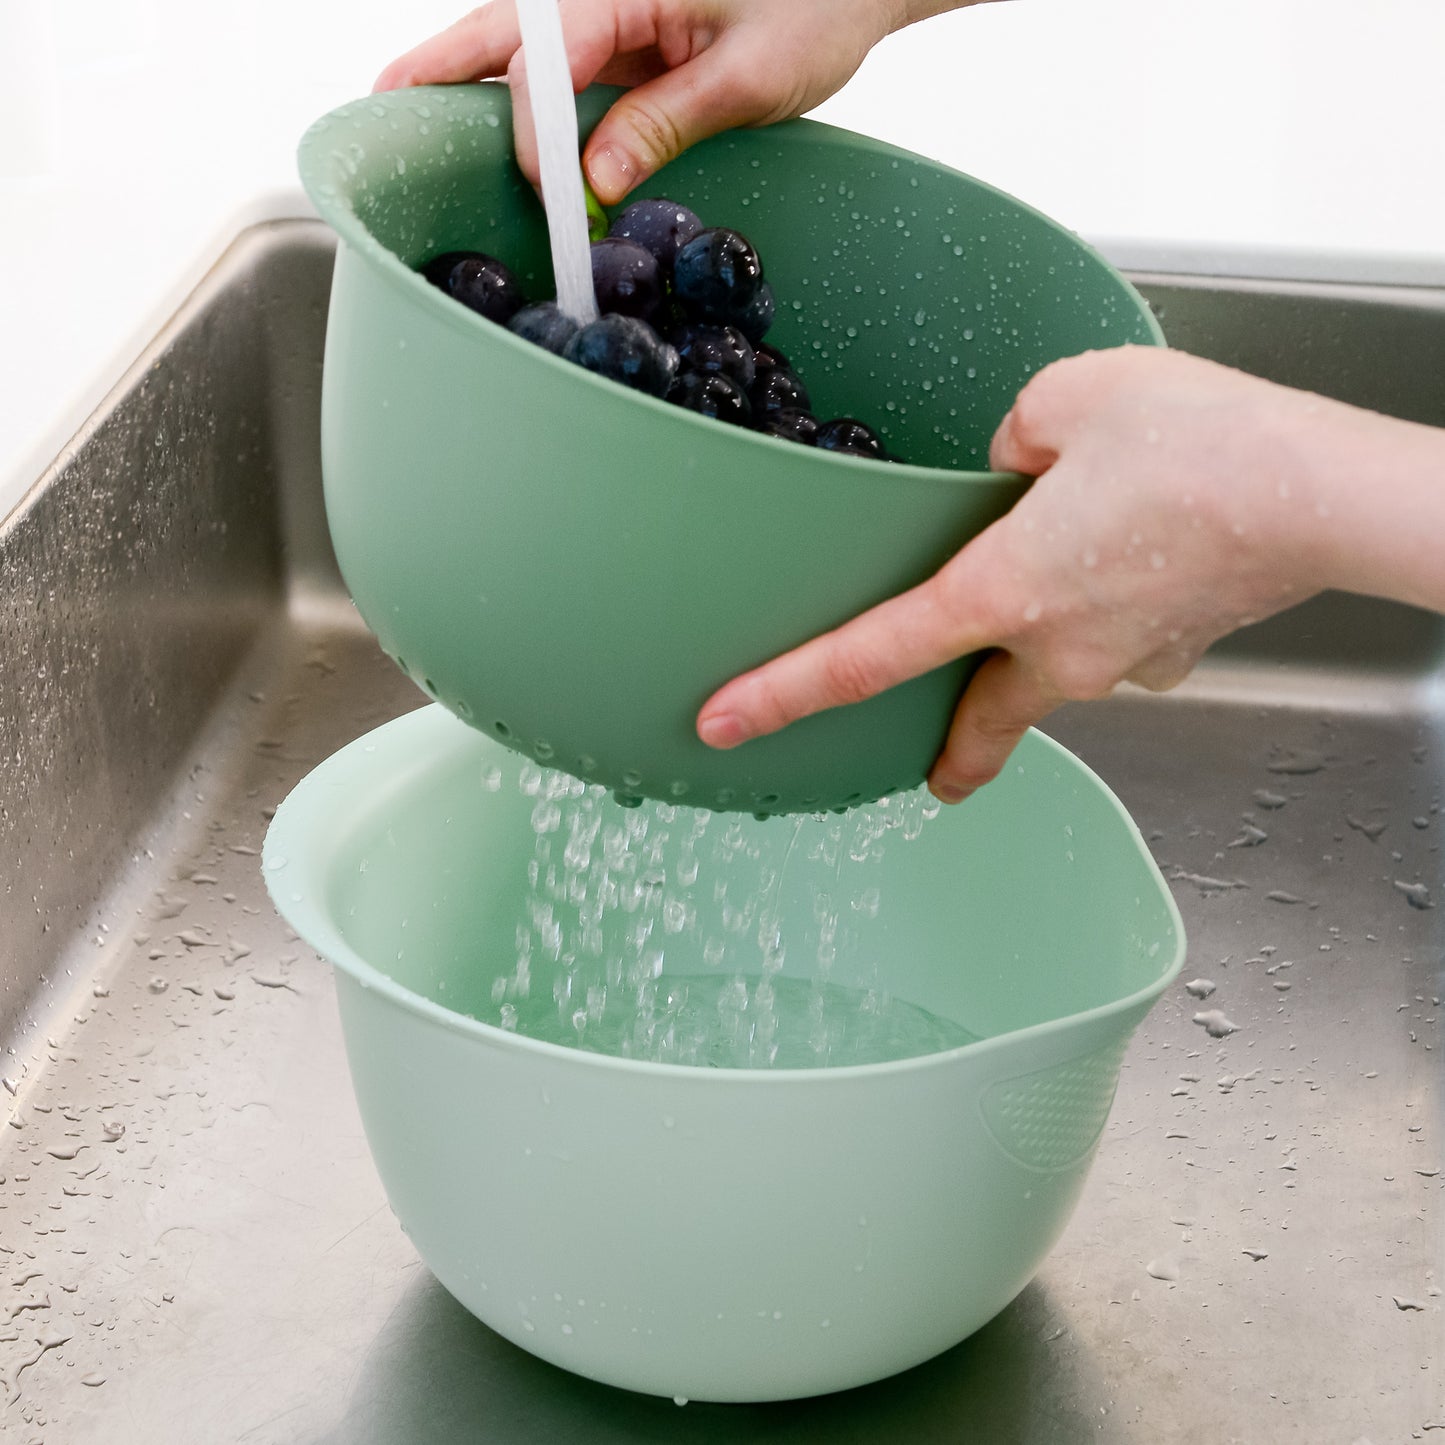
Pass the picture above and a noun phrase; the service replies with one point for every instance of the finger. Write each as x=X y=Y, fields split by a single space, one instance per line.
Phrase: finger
x=655 y=122
x=1165 y=669
x=628 y=71
x=902 y=638
x=479 y=45
x=524 y=133
x=1002 y=701
x=1013 y=449
x=600 y=42
x=1045 y=413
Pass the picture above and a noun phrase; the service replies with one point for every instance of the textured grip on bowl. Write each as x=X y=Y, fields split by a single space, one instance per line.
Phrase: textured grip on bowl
x=1051 y=1119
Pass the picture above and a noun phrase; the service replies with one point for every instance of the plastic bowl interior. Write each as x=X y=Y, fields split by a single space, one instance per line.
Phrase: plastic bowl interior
x=717 y=1233
x=572 y=567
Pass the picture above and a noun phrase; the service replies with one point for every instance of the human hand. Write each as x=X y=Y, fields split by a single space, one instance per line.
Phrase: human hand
x=693 y=68
x=1176 y=500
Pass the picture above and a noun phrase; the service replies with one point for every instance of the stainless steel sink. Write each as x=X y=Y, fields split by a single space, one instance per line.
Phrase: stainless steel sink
x=193 y=1245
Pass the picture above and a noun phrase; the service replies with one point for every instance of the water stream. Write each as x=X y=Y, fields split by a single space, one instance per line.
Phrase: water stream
x=612 y=995
x=554 y=117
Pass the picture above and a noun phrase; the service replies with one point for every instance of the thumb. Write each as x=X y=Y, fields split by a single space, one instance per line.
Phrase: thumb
x=658 y=120
x=1017 y=445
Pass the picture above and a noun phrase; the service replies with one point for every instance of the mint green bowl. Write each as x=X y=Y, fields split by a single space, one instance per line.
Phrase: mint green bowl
x=728 y=1234
x=574 y=568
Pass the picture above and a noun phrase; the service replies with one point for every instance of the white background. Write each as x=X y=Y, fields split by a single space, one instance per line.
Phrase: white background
x=137 y=136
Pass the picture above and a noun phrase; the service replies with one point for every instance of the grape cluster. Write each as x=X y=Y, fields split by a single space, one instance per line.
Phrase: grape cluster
x=684 y=310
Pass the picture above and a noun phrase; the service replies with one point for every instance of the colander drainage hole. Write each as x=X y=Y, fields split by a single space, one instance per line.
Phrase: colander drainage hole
x=501 y=729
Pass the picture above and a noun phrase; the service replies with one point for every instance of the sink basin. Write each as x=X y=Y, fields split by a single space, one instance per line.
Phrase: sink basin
x=193 y=1242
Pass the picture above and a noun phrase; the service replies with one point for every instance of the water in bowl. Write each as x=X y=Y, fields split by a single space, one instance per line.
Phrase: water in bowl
x=720 y=1021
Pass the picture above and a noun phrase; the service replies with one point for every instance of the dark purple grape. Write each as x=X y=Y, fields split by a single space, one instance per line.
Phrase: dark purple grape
x=766 y=356
x=712 y=395
x=716 y=275
x=626 y=350
x=720 y=349
x=791 y=425
x=440 y=267
x=626 y=279
x=757 y=315
x=779 y=389
x=479 y=281
x=544 y=324
x=658 y=226
x=847 y=434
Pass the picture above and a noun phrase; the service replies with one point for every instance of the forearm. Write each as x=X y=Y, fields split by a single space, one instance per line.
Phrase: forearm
x=1369 y=502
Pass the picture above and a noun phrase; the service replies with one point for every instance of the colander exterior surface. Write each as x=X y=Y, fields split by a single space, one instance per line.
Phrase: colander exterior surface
x=573 y=568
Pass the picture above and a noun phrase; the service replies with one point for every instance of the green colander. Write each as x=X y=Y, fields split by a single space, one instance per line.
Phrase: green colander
x=573 y=568
x=722 y=1233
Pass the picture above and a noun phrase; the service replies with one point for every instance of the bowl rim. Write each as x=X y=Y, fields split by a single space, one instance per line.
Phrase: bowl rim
x=381 y=762
x=314 y=164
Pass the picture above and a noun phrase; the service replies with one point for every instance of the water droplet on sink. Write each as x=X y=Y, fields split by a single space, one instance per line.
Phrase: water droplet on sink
x=1215 y=1024
x=1417 y=895
x=1296 y=762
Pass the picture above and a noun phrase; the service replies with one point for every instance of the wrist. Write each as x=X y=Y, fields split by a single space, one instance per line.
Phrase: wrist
x=899 y=14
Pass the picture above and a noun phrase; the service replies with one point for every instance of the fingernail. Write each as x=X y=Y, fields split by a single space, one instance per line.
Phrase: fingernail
x=612 y=172
x=722 y=730
x=949 y=792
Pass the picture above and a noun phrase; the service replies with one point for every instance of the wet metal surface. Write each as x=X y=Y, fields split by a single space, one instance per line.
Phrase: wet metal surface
x=193 y=1244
